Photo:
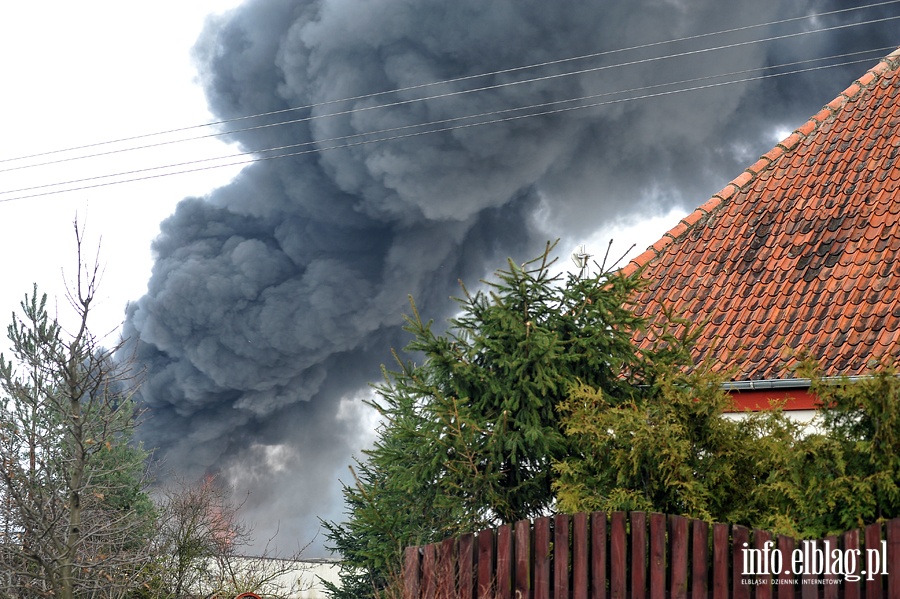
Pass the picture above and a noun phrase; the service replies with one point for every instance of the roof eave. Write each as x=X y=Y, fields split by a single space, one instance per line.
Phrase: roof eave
x=798 y=383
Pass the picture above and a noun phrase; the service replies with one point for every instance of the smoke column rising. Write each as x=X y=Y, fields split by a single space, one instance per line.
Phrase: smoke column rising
x=274 y=300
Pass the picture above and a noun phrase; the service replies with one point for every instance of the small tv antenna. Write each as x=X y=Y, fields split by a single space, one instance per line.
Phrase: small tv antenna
x=580 y=257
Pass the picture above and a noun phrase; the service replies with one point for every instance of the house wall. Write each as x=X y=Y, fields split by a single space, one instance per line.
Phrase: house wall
x=799 y=404
x=791 y=400
x=310 y=574
x=286 y=579
x=802 y=416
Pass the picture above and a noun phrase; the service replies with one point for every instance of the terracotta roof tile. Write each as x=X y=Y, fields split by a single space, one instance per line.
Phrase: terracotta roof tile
x=801 y=251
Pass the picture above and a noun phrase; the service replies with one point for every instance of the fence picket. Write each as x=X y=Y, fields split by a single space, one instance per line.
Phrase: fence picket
x=852 y=588
x=580 y=556
x=504 y=580
x=699 y=560
x=541 y=556
x=831 y=590
x=678 y=538
x=466 y=561
x=764 y=589
x=599 y=555
x=893 y=555
x=486 y=564
x=446 y=570
x=411 y=573
x=561 y=556
x=522 y=573
x=429 y=574
x=873 y=540
x=740 y=536
x=809 y=588
x=617 y=556
x=638 y=554
x=720 y=562
x=658 y=556
x=786 y=590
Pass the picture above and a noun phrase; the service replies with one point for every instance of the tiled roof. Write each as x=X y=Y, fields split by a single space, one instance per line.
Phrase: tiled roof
x=801 y=251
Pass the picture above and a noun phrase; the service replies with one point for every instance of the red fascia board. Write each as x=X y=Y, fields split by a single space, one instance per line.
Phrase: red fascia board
x=756 y=400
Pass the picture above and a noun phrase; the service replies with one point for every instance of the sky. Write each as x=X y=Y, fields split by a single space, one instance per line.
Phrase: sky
x=260 y=302
x=77 y=74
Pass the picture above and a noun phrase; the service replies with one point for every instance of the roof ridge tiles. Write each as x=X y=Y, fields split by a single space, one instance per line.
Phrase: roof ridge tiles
x=752 y=173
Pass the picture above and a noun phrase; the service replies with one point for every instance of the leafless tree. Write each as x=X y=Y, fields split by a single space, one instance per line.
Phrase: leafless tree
x=200 y=543
x=72 y=493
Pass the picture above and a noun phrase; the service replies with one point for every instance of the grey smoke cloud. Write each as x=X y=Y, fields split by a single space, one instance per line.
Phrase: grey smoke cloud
x=274 y=299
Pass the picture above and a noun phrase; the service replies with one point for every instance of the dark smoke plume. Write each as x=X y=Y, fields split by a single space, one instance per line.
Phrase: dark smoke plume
x=274 y=300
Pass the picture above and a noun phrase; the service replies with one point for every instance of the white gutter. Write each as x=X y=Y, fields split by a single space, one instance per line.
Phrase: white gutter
x=760 y=384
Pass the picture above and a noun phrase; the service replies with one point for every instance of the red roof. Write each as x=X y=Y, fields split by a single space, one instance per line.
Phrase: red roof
x=801 y=251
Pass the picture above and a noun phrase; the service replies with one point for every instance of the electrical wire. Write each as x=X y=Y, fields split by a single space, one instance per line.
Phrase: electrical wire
x=439 y=130
x=456 y=93
x=445 y=82
x=473 y=116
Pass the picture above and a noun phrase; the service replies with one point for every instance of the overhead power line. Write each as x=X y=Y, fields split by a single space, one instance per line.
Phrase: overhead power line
x=446 y=82
x=547 y=105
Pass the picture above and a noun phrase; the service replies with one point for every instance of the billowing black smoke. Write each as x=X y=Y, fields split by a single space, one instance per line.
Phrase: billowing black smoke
x=274 y=300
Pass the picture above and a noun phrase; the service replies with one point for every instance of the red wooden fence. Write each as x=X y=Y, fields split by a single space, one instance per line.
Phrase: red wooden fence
x=639 y=555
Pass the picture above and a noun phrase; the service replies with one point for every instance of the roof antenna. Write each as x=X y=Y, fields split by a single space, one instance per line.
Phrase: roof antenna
x=580 y=257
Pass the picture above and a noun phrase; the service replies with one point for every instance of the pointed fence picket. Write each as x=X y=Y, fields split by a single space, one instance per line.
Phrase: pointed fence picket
x=637 y=555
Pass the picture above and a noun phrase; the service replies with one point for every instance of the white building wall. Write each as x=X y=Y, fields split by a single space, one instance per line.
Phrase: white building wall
x=804 y=417
x=284 y=579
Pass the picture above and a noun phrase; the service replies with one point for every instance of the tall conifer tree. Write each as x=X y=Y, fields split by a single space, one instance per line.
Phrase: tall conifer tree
x=470 y=432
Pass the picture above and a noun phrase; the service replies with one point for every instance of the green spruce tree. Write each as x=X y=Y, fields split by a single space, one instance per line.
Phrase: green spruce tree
x=469 y=434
